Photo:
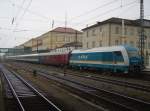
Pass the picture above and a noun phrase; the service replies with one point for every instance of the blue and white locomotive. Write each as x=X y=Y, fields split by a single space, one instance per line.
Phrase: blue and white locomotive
x=116 y=59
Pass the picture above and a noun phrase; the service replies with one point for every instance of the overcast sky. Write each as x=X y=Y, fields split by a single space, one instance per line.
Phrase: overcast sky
x=21 y=20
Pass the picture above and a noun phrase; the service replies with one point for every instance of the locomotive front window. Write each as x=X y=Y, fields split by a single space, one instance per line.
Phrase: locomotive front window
x=132 y=53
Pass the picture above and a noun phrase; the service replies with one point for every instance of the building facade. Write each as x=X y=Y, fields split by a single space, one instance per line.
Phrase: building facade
x=55 y=38
x=61 y=36
x=116 y=31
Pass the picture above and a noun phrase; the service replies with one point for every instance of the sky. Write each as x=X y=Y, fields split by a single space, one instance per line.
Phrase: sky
x=21 y=20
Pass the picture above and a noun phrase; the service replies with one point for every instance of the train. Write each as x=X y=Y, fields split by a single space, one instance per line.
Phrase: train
x=114 y=58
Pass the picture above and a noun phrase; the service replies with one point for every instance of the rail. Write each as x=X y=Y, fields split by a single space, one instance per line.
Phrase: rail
x=50 y=105
x=107 y=93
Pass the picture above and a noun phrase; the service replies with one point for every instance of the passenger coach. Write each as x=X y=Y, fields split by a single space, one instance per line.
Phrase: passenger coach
x=59 y=56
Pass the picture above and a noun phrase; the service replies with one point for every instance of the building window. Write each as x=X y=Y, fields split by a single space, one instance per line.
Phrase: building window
x=125 y=42
x=67 y=39
x=87 y=33
x=116 y=42
x=145 y=32
x=93 y=32
x=117 y=30
x=87 y=45
x=149 y=45
x=145 y=46
x=131 y=43
x=138 y=31
x=131 y=31
x=137 y=44
x=100 y=29
x=64 y=37
x=71 y=39
x=93 y=44
x=125 y=31
x=100 y=43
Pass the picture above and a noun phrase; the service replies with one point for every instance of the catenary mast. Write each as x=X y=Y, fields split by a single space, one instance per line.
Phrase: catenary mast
x=141 y=40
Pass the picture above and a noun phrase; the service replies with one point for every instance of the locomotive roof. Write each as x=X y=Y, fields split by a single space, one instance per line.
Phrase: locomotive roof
x=105 y=49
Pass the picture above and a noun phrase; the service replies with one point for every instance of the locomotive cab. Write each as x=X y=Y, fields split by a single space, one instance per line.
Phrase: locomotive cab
x=135 y=60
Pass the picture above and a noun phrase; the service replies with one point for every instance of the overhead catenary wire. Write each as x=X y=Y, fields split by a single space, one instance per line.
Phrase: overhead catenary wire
x=23 y=13
x=17 y=14
x=35 y=13
x=102 y=14
x=31 y=20
x=44 y=17
x=30 y=11
x=106 y=12
x=126 y=10
x=92 y=10
x=87 y=12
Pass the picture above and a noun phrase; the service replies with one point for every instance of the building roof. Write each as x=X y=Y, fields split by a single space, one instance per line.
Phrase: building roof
x=114 y=20
x=65 y=30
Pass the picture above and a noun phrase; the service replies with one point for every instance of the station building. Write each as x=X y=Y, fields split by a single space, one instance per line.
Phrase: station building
x=55 y=38
x=116 y=31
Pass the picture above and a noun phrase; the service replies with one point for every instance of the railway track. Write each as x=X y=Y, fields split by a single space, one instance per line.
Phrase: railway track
x=128 y=84
x=145 y=76
x=115 y=101
x=120 y=82
x=114 y=81
x=26 y=97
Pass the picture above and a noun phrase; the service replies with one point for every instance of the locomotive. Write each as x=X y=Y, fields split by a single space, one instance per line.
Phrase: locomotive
x=115 y=58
